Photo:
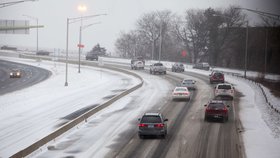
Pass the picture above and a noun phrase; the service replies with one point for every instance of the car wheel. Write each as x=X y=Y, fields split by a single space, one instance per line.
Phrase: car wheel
x=141 y=136
x=163 y=136
x=224 y=119
x=205 y=118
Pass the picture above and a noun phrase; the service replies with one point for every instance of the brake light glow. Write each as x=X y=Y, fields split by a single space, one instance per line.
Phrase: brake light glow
x=225 y=109
x=160 y=125
x=143 y=125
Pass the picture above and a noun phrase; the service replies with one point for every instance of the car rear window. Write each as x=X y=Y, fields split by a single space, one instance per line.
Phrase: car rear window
x=218 y=74
x=180 y=89
x=158 y=64
x=187 y=81
x=150 y=119
x=216 y=105
x=224 y=87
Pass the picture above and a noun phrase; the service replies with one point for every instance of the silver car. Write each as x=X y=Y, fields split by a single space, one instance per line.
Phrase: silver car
x=190 y=84
x=152 y=124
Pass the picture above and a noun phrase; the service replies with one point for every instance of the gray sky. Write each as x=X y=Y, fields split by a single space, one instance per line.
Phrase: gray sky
x=122 y=16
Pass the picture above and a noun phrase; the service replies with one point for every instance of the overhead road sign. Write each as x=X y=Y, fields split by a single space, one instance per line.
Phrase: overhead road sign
x=16 y=27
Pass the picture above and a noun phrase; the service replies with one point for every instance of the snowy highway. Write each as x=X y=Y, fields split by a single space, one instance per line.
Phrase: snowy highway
x=31 y=76
x=112 y=132
x=29 y=114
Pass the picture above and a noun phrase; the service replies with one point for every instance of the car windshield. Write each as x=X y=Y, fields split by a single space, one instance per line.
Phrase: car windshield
x=150 y=119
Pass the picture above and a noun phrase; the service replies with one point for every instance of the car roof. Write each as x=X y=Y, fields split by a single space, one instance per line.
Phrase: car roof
x=224 y=84
x=152 y=114
x=217 y=72
x=216 y=101
x=187 y=79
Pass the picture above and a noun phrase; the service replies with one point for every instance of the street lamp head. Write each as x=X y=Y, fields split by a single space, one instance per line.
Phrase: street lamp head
x=82 y=8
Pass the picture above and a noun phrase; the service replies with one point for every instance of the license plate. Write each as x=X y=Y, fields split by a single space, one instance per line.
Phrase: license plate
x=216 y=116
x=150 y=126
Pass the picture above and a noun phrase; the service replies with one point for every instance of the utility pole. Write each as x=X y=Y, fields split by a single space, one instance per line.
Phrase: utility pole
x=160 y=42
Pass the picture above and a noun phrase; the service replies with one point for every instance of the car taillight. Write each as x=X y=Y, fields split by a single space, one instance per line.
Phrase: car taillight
x=208 y=109
x=143 y=125
x=160 y=125
x=186 y=93
x=225 y=109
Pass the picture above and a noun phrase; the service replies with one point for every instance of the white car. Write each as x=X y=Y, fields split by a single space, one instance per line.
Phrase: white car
x=190 y=84
x=137 y=65
x=181 y=93
x=224 y=90
x=157 y=68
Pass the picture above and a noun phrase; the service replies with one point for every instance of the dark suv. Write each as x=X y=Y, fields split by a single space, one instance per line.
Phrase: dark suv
x=152 y=124
x=91 y=56
x=217 y=77
x=216 y=109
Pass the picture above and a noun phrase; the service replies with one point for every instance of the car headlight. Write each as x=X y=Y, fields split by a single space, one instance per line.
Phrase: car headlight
x=11 y=74
x=18 y=73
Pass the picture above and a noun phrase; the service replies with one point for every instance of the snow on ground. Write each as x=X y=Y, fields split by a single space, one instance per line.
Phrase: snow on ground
x=261 y=133
x=121 y=116
x=261 y=124
x=31 y=113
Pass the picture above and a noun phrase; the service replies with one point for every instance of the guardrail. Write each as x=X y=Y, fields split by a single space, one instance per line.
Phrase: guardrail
x=35 y=146
x=274 y=107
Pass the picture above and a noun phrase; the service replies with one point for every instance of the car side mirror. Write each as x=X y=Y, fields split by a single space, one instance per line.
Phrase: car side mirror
x=215 y=87
x=139 y=119
x=228 y=106
x=165 y=120
x=205 y=105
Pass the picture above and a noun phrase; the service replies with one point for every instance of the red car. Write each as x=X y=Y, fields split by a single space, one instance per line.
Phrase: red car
x=216 y=109
x=217 y=77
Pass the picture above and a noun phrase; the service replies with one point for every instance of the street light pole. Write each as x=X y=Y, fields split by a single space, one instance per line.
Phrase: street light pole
x=246 y=50
x=160 y=42
x=80 y=44
x=66 y=73
x=72 y=20
x=81 y=8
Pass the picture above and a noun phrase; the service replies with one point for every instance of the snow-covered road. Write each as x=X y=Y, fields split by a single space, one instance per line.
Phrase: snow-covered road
x=106 y=126
x=28 y=115
x=260 y=133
